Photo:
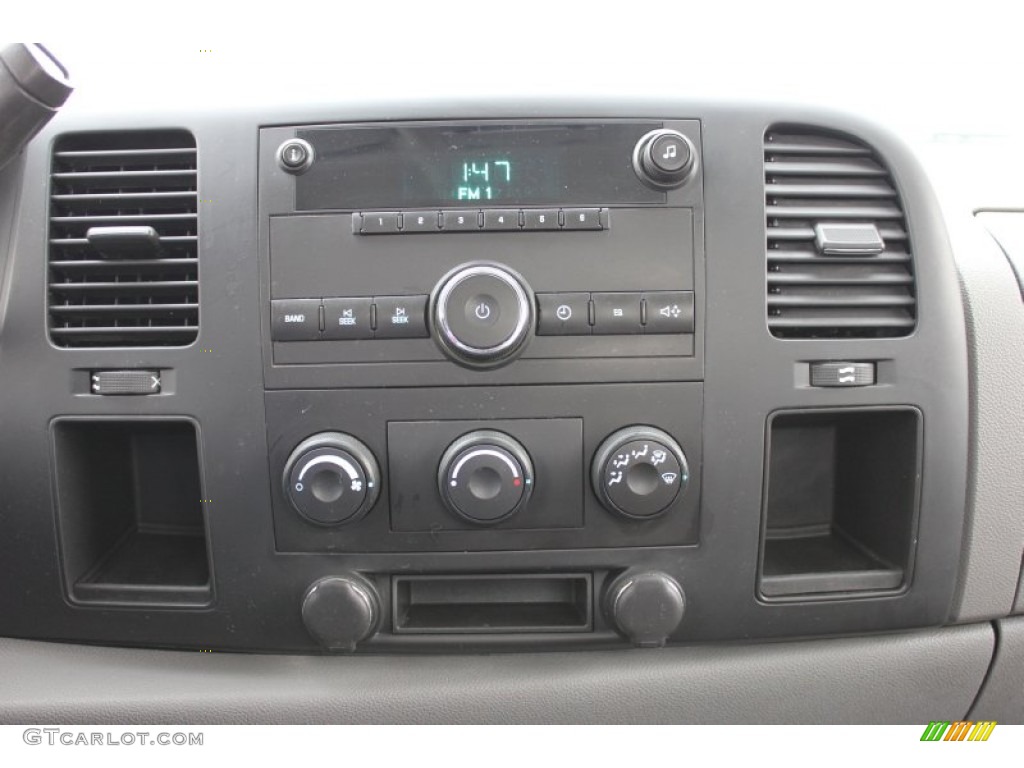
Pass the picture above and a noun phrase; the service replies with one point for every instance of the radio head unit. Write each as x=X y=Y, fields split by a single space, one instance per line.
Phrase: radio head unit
x=487 y=243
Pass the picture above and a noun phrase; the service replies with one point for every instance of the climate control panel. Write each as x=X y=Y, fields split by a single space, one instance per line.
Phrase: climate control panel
x=484 y=469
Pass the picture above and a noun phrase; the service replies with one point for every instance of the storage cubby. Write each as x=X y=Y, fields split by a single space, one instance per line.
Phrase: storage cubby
x=130 y=508
x=483 y=603
x=841 y=499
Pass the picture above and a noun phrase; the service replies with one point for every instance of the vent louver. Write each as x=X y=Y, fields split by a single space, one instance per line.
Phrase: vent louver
x=123 y=251
x=819 y=182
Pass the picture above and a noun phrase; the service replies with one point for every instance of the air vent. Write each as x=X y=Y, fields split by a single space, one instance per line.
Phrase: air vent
x=123 y=240
x=839 y=259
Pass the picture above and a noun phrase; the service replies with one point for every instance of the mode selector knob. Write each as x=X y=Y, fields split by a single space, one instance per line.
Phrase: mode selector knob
x=639 y=472
x=485 y=477
x=664 y=159
x=332 y=478
x=482 y=314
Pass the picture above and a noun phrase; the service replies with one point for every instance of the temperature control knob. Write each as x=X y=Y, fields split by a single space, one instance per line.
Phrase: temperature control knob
x=482 y=314
x=332 y=478
x=485 y=477
x=639 y=472
x=664 y=159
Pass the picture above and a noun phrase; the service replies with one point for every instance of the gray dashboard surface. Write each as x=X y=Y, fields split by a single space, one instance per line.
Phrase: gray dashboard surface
x=1007 y=227
x=905 y=678
x=1002 y=698
x=994 y=535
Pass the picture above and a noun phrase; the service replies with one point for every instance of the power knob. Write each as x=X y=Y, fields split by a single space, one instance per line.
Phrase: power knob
x=646 y=607
x=482 y=314
x=332 y=478
x=664 y=159
x=341 y=611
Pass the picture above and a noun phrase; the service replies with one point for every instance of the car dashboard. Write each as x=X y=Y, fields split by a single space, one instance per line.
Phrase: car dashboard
x=340 y=412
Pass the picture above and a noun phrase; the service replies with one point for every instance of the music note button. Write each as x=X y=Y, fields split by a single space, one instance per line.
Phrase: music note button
x=670 y=153
x=664 y=158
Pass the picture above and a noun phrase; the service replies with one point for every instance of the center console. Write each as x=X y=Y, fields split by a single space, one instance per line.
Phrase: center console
x=521 y=300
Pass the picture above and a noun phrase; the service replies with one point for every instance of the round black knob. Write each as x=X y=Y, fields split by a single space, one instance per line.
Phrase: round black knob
x=295 y=156
x=646 y=607
x=639 y=472
x=332 y=478
x=340 y=611
x=485 y=477
x=664 y=158
x=482 y=314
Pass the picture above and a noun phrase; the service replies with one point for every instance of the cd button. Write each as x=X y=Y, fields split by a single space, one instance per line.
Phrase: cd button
x=616 y=313
x=563 y=314
x=401 y=317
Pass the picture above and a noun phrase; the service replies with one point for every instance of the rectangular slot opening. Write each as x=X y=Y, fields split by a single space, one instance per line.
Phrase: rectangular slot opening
x=130 y=509
x=492 y=604
x=840 y=501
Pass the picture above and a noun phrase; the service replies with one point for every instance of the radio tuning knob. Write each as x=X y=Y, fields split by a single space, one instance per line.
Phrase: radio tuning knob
x=332 y=478
x=664 y=159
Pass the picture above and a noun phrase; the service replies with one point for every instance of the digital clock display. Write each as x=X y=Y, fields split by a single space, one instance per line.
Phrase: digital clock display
x=483 y=180
x=387 y=167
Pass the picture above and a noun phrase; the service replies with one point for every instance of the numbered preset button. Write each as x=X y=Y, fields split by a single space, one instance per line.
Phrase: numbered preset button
x=540 y=219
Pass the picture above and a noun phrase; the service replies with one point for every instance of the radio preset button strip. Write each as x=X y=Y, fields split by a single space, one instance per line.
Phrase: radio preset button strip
x=482 y=220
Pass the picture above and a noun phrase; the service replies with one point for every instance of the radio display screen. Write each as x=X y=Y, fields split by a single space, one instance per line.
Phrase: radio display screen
x=473 y=165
